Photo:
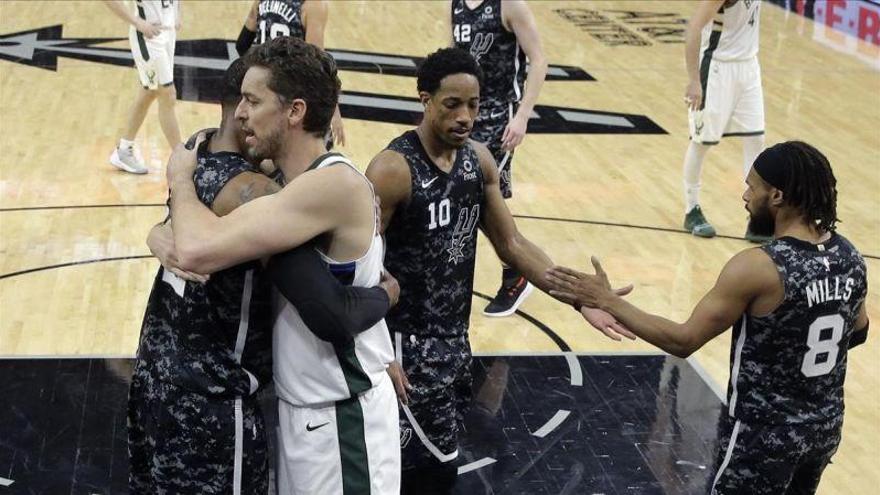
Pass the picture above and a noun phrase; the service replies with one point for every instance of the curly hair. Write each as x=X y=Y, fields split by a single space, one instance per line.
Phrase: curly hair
x=445 y=62
x=299 y=70
x=811 y=186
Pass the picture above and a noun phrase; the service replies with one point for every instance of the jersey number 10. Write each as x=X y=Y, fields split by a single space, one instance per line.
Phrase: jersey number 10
x=439 y=214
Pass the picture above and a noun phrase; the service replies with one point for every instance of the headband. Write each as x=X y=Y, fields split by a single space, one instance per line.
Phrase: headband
x=772 y=165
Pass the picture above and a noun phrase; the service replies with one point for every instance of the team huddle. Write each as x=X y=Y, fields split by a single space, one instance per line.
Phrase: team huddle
x=351 y=292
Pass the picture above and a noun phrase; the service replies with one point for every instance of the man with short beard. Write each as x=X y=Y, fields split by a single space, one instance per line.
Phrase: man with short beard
x=796 y=305
x=205 y=345
x=337 y=411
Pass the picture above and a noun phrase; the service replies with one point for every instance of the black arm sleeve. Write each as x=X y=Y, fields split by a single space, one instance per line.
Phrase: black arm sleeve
x=333 y=312
x=859 y=336
x=245 y=39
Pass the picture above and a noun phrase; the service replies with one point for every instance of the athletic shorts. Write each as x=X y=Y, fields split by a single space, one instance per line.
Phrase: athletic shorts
x=154 y=58
x=439 y=370
x=180 y=442
x=489 y=129
x=773 y=459
x=733 y=102
x=348 y=447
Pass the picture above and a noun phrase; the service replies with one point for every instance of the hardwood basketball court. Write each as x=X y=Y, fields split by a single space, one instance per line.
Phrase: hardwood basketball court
x=75 y=270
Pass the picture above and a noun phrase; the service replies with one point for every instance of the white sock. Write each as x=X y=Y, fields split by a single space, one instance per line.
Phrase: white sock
x=693 y=165
x=126 y=144
x=752 y=147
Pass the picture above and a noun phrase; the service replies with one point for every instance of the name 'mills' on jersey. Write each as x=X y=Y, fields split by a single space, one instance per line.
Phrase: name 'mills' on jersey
x=280 y=18
x=788 y=367
x=733 y=33
x=212 y=338
x=432 y=242
x=482 y=32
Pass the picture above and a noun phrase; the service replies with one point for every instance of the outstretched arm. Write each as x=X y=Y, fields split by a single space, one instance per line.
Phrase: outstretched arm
x=745 y=277
x=517 y=251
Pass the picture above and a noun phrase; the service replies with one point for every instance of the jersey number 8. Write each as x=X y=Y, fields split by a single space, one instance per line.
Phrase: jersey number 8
x=819 y=346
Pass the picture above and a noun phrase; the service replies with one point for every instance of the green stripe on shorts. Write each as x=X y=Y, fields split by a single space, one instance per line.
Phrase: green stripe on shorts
x=352 y=447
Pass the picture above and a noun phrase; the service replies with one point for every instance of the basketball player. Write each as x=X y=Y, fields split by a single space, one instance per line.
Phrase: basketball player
x=195 y=425
x=337 y=407
x=436 y=186
x=502 y=37
x=152 y=36
x=796 y=305
x=306 y=20
x=723 y=95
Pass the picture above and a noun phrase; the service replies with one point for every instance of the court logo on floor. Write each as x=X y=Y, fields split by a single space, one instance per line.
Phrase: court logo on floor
x=199 y=67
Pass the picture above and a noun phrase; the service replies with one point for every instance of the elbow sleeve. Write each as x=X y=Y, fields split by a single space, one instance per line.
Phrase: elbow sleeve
x=333 y=312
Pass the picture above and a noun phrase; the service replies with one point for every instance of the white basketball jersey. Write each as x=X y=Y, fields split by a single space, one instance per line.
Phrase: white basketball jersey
x=163 y=12
x=733 y=33
x=310 y=371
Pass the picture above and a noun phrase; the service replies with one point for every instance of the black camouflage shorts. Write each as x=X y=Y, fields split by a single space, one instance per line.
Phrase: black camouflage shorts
x=772 y=459
x=439 y=370
x=180 y=442
x=489 y=129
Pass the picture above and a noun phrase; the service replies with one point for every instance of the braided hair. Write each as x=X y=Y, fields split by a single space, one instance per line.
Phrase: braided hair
x=811 y=186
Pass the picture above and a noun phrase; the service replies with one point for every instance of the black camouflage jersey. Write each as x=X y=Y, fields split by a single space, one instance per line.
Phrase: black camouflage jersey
x=481 y=32
x=206 y=338
x=432 y=242
x=280 y=18
x=788 y=367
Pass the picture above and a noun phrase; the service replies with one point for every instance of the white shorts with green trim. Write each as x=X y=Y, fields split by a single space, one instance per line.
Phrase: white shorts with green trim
x=154 y=58
x=350 y=447
x=734 y=103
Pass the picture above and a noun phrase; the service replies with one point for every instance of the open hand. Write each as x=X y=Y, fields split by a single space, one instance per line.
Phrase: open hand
x=581 y=289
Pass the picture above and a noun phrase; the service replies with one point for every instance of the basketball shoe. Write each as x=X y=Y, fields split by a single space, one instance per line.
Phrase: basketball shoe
x=695 y=223
x=128 y=159
x=514 y=290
